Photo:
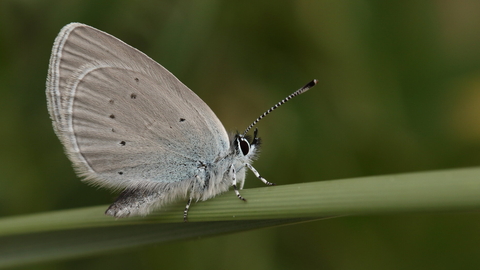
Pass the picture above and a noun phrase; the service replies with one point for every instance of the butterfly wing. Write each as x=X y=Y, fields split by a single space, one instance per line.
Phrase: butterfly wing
x=125 y=120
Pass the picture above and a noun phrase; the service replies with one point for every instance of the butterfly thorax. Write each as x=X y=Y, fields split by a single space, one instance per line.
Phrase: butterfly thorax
x=216 y=177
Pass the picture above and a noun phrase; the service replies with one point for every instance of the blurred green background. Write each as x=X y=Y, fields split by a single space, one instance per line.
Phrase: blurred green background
x=399 y=92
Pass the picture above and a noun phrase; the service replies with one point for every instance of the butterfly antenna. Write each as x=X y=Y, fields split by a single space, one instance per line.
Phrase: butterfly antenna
x=283 y=101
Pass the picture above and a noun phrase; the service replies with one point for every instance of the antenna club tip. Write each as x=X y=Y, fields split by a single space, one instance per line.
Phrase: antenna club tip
x=309 y=85
x=313 y=83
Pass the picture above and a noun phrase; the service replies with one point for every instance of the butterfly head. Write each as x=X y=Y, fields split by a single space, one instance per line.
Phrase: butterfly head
x=245 y=145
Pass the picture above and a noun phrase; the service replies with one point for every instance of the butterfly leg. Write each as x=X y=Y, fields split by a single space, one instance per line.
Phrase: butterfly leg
x=185 y=212
x=192 y=191
x=234 y=182
x=258 y=175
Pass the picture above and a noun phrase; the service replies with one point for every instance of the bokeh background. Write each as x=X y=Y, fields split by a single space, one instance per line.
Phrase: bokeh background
x=399 y=92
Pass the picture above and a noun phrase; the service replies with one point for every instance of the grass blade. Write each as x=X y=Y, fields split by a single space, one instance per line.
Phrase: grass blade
x=79 y=232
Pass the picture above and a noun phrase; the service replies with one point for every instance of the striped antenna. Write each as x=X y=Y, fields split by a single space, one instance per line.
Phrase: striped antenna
x=283 y=101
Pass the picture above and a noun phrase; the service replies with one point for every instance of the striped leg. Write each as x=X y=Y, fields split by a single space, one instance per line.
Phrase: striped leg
x=192 y=191
x=258 y=175
x=185 y=212
x=234 y=182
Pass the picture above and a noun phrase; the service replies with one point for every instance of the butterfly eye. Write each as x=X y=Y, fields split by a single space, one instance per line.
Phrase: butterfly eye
x=244 y=145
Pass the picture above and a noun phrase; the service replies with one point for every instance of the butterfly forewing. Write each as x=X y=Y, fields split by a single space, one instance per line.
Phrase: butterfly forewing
x=126 y=122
